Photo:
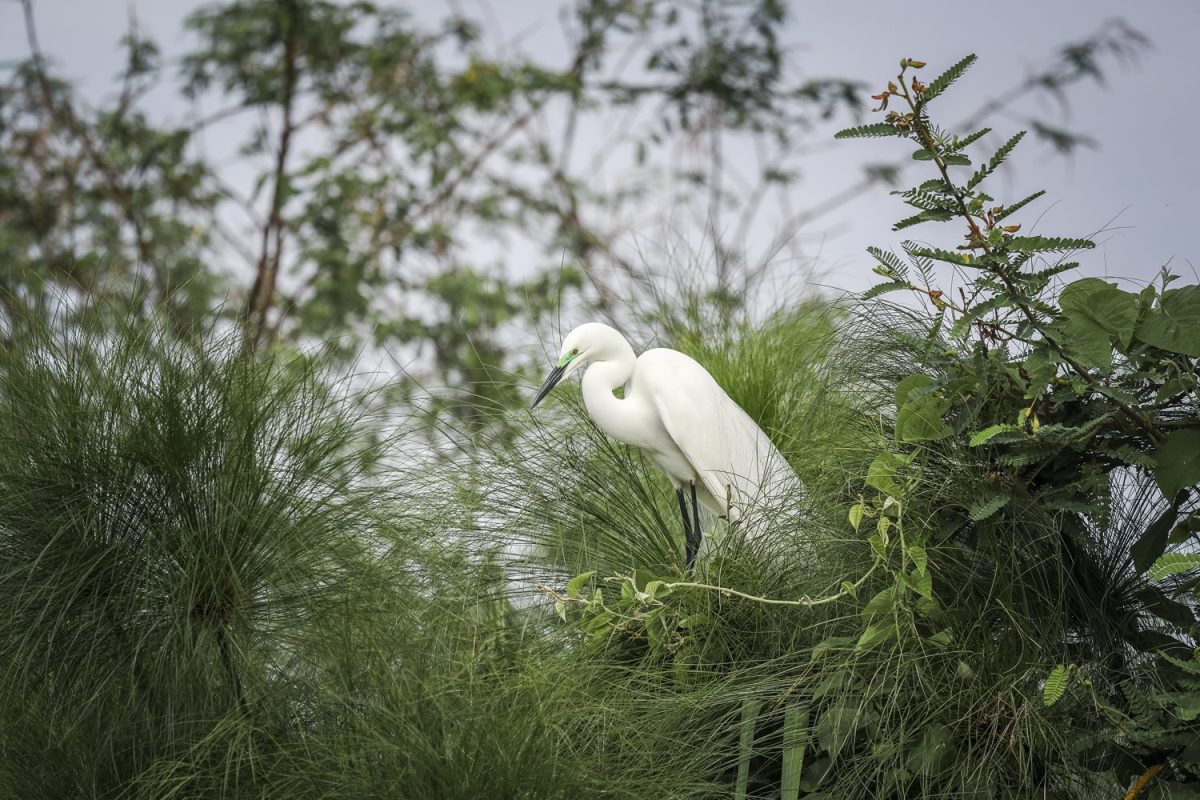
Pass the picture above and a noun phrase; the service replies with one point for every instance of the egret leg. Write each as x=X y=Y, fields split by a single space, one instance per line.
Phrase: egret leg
x=695 y=535
x=687 y=527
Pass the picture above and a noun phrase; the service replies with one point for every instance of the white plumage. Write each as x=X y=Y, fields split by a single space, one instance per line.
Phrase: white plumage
x=681 y=418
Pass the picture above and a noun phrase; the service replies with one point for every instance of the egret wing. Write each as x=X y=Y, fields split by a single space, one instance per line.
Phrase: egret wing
x=734 y=459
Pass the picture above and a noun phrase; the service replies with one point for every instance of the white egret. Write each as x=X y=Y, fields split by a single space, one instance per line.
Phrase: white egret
x=681 y=418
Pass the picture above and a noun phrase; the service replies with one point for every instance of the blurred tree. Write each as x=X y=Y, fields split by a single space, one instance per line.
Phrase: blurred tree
x=399 y=172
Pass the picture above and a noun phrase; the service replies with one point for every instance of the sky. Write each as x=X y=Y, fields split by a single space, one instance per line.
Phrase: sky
x=1136 y=191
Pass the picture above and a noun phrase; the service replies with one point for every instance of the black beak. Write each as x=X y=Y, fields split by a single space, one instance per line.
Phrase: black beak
x=555 y=376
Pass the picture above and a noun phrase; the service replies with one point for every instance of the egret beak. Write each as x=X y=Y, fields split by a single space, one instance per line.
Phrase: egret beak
x=556 y=375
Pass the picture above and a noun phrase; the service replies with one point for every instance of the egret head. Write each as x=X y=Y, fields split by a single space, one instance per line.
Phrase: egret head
x=592 y=341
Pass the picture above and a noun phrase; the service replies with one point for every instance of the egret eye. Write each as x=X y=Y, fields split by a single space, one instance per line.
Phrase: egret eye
x=574 y=351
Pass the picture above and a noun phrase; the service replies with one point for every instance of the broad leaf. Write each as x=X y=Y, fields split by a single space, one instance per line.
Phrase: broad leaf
x=1175 y=324
x=934 y=751
x=1094 y=304
x=875 y=634
x=920 y=411
x=838 y=725
x=1151 y=544
x=1178 y=460
x=881 y=474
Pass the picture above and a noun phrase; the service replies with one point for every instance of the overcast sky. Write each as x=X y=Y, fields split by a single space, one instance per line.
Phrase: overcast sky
x=1140 y=183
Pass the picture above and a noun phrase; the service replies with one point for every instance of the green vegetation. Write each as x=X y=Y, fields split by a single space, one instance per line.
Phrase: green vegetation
x=225 y=571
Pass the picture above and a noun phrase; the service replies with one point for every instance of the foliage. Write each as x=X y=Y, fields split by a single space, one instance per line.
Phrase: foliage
x=409 y=189
x=210 y=589
x=220 y=578
x=1076 y=402
x=401 y=186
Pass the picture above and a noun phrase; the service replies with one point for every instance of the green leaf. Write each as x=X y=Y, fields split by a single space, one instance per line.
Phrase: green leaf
x=1173 y=564
x=1047 y=244
x=832 y=644
x=1175 y=325
x=917 y=553
x=876 y=634
x=937 y=254
x=881 y=474
x=1185 y=705
x=795 y=740
x=889 y=260
x=962 y=326
x=1157 y=603
x=750 y=709
x=1178 y=460
x=856 y=514
x=1056 y=685
x=987 y=506
x=1092 y=304
x=956 y=160
x=1190 y=666
x=1151 y=544
x=942 y=639
x=996 y=161
x=942 y=82
x=987 y=434
x=934 y=751
x=883 y=288
x=1084 y=342
x=1041 y=366
x=873 y=131
x=921 y=582
x=838 y=725
x=884 y=602
x=966 y=141
x=1017 y=206
x=910 y=384
x=575 y=585
x=929 y=215
x=920 y=411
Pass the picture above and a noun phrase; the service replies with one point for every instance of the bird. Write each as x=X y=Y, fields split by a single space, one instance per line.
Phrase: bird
x=679 y=416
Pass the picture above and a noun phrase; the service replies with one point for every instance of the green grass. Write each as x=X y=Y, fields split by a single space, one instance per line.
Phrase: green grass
x=212 y=585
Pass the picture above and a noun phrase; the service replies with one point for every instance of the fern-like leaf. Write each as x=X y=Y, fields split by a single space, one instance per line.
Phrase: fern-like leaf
x=1023 y=458
x=958 y=259
x=929 y=215
x=1056 y=685
x=1172 y=564
x=987 y=434
x=1048 y=244
x=942 y=82
x=1017 y=206
x=963 y=323
x=889 y=260
x=962 y=144
x=883 y=288
x=1042 y=277
x=1191 y=667
x=996 y=161
x=875 y=130
x=986 y=507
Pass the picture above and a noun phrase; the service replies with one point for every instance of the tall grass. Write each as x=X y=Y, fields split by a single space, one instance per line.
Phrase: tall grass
x=213 y=585
x=960 y=718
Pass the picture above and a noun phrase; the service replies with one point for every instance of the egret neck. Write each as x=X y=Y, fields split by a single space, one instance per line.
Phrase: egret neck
x=619 y=418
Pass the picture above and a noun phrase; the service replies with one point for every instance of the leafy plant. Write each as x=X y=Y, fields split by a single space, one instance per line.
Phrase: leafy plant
x=1073 y=401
